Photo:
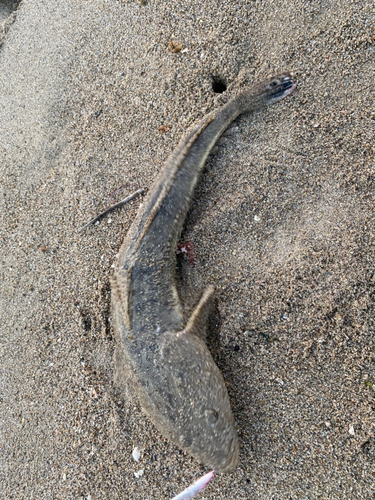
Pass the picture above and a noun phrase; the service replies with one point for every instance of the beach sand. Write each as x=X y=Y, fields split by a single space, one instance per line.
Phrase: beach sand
x=282 y=225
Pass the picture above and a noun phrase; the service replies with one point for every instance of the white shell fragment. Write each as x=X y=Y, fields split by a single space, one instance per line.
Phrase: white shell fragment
x=139 y=473
x=136 y=454
x=195 y=487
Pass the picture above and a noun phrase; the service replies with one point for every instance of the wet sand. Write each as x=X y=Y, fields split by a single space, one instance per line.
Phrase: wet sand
x=91 y=104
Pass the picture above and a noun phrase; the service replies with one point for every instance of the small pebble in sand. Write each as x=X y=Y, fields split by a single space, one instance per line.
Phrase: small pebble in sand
x=175 y=46
x=136 y=454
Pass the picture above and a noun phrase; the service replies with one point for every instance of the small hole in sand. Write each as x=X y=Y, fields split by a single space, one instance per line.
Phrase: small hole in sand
x=218 y=85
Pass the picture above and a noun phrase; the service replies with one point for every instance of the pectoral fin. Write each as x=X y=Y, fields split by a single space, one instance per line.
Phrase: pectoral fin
x=197 y=323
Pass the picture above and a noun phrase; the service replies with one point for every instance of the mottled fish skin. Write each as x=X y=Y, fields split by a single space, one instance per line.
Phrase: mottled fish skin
x=176 y=379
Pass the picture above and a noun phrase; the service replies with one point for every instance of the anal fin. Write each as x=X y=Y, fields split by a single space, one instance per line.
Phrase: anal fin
x=121 y=294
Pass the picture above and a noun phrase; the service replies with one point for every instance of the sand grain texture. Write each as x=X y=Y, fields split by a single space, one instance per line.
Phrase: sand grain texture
x=283 y=227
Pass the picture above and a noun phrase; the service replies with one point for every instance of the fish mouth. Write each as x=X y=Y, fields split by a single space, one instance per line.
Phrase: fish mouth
x=230 y=462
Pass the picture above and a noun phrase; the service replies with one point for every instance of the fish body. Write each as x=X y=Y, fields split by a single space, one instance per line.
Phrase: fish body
x=176 y=379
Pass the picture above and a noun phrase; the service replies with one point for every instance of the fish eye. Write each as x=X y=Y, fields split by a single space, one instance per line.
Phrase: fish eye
x=212 y=416
x=273 y=84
